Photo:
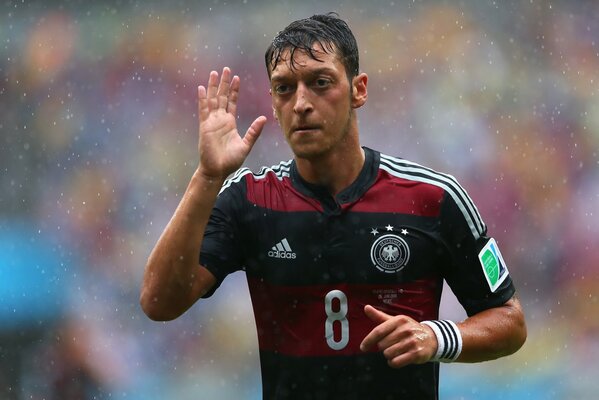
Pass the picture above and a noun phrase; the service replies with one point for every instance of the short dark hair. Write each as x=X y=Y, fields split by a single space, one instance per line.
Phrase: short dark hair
x=328 y=30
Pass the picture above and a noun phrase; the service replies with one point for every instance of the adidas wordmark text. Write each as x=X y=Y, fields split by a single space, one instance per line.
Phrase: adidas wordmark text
x=282 y=250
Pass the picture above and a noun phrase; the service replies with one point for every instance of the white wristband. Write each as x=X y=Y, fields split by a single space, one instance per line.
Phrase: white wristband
x=449 y=340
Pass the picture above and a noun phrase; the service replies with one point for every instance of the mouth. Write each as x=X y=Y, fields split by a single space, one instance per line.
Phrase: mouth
x=305 y=128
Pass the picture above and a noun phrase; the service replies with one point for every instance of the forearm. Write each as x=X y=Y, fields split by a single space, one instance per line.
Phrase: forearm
x=493 y=333
x=173 y=280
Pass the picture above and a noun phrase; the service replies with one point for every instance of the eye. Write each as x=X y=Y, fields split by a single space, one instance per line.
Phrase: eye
x=322 y=82
x=282 y=89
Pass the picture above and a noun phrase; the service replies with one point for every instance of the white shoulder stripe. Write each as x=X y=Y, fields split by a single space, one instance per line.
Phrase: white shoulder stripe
x=445 y=177
x=239 y=172
x=280 y=170
x=235 y=178
x=413 y=171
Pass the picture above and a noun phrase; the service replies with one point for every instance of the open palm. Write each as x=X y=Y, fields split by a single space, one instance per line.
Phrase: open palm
x=221 y=147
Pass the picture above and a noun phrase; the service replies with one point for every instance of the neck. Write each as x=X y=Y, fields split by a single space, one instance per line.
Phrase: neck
x=336 y=169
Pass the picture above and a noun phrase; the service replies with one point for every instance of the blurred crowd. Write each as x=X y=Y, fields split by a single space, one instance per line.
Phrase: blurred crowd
x=98 y=139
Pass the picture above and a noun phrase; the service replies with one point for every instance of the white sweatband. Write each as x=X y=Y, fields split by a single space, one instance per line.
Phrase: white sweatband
x=449 y=340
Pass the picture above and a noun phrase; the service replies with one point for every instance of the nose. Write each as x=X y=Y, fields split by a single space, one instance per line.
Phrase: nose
x=303 y=104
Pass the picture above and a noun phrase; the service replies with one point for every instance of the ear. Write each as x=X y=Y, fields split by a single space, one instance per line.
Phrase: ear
x=274 y=113
x=359 y=90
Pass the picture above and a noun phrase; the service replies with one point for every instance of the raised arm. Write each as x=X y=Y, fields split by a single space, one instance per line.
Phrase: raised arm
x=173 y=279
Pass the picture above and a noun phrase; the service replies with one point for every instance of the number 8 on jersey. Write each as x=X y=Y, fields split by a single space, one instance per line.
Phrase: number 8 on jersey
x=333 y=316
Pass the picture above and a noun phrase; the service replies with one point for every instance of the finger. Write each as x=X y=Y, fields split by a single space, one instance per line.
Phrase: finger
x=223 y=88
x=376 y=335
x=402 y=360
x=408 y=352
x=254 y=131
x=212 y=90
x=233 y=95
x=384 y=336
x=203 y=109
x=376 y=315
x=395 y=348
x=386 y=325
x=407 y=349
x=390 y=341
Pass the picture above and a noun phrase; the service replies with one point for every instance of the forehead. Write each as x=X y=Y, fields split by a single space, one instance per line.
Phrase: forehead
x=300 y=62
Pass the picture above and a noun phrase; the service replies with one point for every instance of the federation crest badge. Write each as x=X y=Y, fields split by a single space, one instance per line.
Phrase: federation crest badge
x=389 y=252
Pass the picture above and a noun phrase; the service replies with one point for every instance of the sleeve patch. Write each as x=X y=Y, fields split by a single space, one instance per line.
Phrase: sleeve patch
x=493 y=266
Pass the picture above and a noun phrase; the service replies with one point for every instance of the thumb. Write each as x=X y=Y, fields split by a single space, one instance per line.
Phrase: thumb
x=375 y=315
x=254 y=131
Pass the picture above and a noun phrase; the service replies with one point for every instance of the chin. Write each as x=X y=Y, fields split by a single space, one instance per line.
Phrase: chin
x=309 y=152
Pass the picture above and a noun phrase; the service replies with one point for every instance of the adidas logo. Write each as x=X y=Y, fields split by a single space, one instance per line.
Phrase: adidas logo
x=281 y=250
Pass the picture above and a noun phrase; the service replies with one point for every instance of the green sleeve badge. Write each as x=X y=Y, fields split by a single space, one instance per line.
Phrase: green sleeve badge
x=494 y=267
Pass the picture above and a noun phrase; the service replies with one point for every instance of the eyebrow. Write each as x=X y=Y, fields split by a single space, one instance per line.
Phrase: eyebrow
x=317 y=71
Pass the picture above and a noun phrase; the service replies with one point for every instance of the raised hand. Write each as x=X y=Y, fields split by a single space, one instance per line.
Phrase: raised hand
x=221 y=147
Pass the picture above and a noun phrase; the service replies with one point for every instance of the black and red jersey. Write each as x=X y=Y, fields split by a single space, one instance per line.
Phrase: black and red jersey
x=314 y=261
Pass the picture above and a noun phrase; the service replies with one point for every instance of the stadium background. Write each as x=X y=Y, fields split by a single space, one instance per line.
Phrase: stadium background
x=99 y=136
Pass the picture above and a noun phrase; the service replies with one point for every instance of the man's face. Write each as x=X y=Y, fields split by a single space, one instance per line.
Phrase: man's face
x=312 y=102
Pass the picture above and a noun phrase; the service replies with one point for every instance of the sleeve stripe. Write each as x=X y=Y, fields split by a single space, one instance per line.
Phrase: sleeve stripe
x=280 y=170
x=234 y=179
x=412 y=171
x=409 y=167
x=441 y=176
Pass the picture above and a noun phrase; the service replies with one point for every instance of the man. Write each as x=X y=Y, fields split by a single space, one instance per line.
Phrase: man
x=345 y=249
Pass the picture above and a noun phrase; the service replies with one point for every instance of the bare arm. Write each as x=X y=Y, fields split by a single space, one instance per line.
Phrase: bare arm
x=488 y=335
x=173 y=279
x=493 y=333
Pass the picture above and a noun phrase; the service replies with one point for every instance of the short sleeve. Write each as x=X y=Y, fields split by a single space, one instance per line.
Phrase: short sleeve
x=476 y=271
x=219 y=252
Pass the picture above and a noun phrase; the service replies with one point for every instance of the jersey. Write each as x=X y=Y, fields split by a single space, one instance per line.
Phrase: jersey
x=313 y=261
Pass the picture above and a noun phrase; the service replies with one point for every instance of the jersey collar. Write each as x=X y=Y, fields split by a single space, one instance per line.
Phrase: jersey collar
x=348 y=195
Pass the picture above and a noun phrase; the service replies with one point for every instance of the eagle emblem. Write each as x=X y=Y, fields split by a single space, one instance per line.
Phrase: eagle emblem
x=390 y=253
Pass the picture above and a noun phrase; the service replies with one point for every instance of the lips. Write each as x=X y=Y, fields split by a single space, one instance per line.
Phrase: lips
x=305 y=128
